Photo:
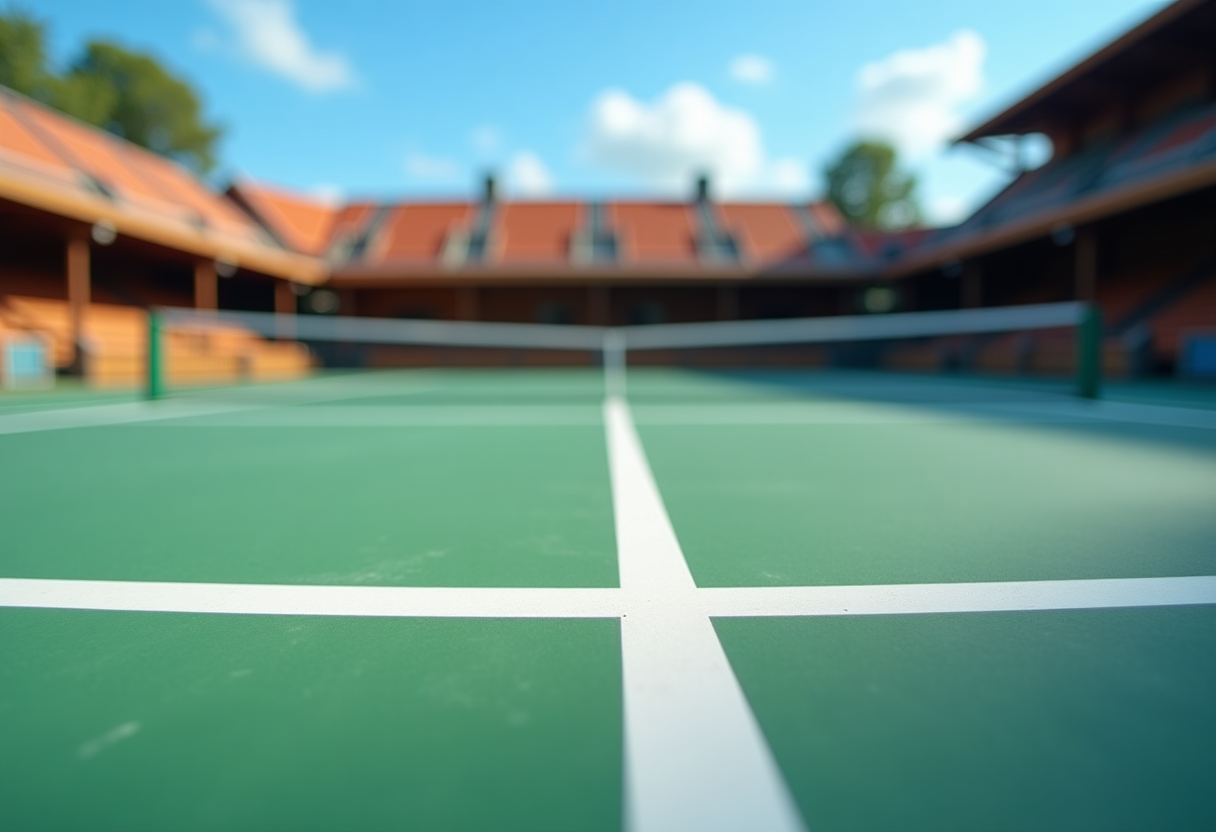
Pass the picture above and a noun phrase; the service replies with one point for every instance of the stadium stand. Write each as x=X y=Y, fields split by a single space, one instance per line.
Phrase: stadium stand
x=1120 y=215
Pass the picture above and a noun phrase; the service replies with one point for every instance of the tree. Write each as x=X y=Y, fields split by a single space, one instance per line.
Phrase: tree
x=870 y=189
x=133 y=96
x=22 y=55
x=127 y=93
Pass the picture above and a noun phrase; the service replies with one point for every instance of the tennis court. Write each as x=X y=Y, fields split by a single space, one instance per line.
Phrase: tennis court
x=473 y=599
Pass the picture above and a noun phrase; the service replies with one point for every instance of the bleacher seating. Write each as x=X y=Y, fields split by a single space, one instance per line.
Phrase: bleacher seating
x=115 y=346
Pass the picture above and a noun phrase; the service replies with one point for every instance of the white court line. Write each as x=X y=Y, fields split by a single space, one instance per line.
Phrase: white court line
x=190 y=404
x=557 y=602
x=924 y=599
x=298 y=599
x=109 y=414
x=695 y=758
x=324 y=416
x=891 y=413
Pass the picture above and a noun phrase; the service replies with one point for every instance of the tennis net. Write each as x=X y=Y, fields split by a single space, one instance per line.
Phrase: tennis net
x=188 y=347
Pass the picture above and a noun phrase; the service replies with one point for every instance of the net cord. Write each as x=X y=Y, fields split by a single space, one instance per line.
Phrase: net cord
x=654 y=336
x=614 y=343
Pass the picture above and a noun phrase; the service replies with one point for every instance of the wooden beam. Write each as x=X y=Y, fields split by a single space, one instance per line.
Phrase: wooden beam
x=79 y=294
x=206 y=285
x=284 y=304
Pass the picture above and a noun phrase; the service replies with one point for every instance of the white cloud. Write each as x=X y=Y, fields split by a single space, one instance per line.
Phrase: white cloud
x=913 y=97
x=486 y=139
x=422 y=166
x=528 y=176
x=752 y=69
x=788 y=176
x=268 y=34
x=684 y=132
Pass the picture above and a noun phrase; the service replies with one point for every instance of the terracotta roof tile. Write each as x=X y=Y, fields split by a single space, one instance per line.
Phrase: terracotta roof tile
x=416 y=232
x=303 y=224
x=17 y=139
x=535 y=232
x=765 y=232
x=56 y=163
x=95 y=153
x=650 y=232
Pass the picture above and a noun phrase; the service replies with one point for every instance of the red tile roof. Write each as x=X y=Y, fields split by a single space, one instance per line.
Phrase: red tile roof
x=301 y=223
x=54 y=163
x=535 y=232
x=653 y=233
x=765 y=233
x=415 y=233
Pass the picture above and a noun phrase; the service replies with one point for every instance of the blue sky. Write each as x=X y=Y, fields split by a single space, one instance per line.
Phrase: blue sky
x=372 y=98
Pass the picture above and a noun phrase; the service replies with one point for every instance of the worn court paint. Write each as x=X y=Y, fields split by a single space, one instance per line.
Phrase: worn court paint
x=115 y=720
x=717 y=602
x=694 y=757
x=518 y=506
x=936 y=503
x=1093 y=719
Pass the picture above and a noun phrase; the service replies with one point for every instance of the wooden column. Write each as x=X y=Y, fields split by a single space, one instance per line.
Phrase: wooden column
x=467 y=304
x=972 y=286
x=728 y=302
x=206 y=285
x=1085 y=286
x=284 y=304
x=598 y=311
x=284 y=298
x=76 y=266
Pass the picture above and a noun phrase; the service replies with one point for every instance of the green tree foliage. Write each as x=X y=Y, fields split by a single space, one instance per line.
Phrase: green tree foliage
x=127 y=93
x=868 y=186
x=22 y=56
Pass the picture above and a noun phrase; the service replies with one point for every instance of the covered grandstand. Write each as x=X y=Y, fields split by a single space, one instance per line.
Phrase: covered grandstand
x=1121 y=215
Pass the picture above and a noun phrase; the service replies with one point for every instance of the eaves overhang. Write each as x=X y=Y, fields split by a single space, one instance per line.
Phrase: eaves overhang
x=21 y=186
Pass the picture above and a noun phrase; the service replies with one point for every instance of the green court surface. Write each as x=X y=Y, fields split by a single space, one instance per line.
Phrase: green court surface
x=452 y=600
x=138 y=720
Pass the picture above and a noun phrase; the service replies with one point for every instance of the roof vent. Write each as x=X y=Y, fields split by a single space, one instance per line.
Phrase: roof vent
x=469 y=244
x=594 y=243
x=360 y=244
x=714 y=244
x=703 y=188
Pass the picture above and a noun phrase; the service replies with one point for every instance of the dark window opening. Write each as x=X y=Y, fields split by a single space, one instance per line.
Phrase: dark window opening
x=417 y=313
x=647 y=312
x=554 y=312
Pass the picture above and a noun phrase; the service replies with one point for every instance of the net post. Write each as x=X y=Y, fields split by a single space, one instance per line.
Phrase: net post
x=614 y=363
x=1089 y=353
x=155 y=379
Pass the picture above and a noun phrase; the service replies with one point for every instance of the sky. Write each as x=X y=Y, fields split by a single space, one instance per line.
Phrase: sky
x=376 y=99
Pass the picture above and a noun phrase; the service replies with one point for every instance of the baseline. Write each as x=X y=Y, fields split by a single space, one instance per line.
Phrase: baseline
x=563 y=602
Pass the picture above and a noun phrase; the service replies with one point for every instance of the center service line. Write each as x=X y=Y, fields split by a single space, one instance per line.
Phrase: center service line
x=695 y=758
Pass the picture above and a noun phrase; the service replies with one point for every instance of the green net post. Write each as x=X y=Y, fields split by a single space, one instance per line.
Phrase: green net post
x=156 y=371
x=1089 y=353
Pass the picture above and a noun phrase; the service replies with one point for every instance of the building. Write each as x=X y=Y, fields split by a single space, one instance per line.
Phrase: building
x=1123 y=214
